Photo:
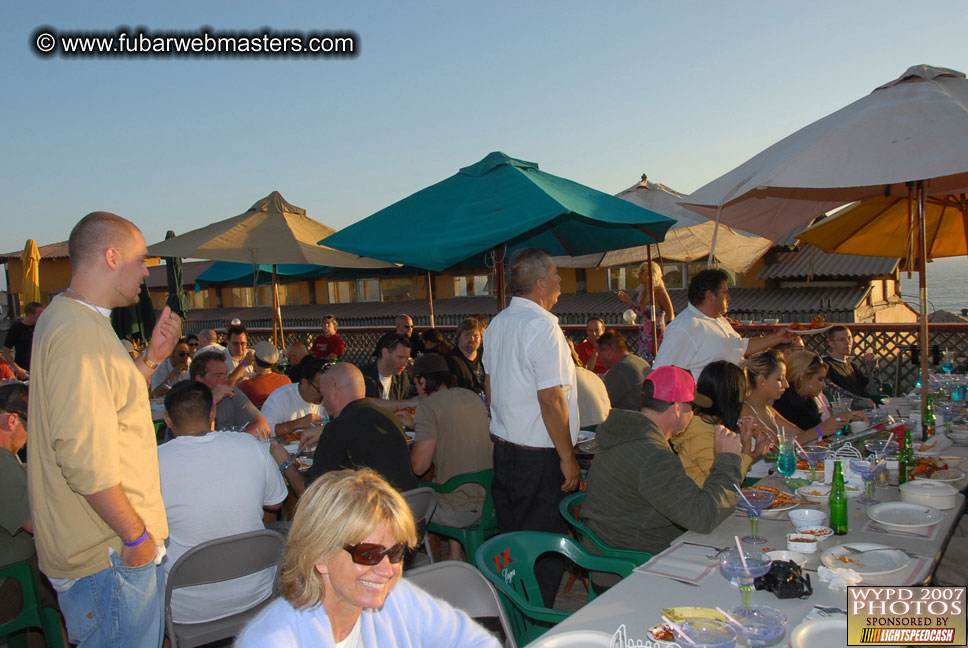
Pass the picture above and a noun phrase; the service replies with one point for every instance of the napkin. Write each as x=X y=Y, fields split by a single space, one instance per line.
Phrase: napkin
x=839 y=578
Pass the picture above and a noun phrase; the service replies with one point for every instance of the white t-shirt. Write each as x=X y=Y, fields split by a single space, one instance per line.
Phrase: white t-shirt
x=693 y=339
x=385 y=382
x=355 y=638
x=231 y=363
x=215 y=486
x=285 y=404
x=524 y=352
x=161 y=374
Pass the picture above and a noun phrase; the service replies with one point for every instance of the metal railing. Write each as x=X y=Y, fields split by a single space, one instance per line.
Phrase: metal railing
x=894 y=345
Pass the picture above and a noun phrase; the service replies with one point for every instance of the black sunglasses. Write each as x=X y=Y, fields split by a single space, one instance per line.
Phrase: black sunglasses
x=365 y=553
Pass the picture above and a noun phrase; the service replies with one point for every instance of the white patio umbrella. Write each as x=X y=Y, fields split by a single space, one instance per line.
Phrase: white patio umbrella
x=908 y=137
x=272 y=231
x=688 y=240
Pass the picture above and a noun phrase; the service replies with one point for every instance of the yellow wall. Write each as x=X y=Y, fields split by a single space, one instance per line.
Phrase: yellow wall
x=596 y=280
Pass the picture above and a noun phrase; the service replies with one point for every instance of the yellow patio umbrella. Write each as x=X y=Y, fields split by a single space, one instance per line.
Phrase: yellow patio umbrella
x=30 y=281
x=883 y=227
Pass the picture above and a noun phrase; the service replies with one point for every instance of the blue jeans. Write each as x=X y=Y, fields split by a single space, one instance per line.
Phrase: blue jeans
x=119 y=607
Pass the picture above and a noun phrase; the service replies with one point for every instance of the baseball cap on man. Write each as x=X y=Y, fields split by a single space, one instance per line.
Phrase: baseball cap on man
x=676 y=385
x=267 y=352
x=430 y=363
x=13 y=399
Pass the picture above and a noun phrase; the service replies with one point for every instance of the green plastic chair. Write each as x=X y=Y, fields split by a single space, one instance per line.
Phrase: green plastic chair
x=569 y=508
x=507 y=560
x=32 y=615
x=471 y=537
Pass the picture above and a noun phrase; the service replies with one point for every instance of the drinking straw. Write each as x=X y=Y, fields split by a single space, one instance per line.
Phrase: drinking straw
x=799 y=447
x=742 y=556
x=677 y=628
x=729 y=617
x=740 y=491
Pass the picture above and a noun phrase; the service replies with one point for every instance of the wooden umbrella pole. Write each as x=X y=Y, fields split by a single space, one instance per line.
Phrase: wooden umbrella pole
x=276 y=311
x=651 y=286
x=430 y=298
x=922 y=296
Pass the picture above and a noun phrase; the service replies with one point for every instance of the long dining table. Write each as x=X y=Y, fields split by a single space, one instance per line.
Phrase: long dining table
x=688 y=573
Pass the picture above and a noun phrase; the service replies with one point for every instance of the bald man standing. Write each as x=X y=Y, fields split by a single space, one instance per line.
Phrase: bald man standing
x=359 y=435
x=95 y=490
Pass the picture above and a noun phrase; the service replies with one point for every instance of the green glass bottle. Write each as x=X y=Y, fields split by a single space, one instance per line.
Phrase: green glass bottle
x=905 y=461
x=930 y=422
x=838 y=501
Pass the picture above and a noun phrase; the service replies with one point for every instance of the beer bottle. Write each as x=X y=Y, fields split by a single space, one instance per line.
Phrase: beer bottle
x=930 y=421
x=905 y=461
x=838 y=501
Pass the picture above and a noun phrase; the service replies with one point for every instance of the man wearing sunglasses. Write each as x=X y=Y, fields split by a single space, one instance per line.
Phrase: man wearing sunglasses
x=173 y=369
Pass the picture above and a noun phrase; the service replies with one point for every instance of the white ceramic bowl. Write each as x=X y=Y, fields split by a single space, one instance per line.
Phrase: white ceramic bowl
x=795 y=556
x=802 y=543
x=804 y=518
x=814 y=492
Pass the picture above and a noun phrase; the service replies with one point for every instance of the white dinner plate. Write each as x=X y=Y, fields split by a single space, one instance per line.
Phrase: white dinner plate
x=812 y=331
x=575 y=639
x=904 y=515
x=819 y=632
x=875 y=563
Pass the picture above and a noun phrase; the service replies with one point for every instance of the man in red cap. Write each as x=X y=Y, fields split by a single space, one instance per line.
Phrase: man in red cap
x=639 y=496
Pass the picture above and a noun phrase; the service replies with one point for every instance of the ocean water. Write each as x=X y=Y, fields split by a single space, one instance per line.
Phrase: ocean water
x=947 y=285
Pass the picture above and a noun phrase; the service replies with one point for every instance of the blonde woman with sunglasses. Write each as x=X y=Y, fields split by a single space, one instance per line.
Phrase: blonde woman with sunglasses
x=768 y=380
x=340 y=580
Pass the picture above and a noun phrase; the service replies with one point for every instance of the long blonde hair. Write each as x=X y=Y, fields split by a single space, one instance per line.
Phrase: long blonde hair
x=341 y=507
x=657 y=281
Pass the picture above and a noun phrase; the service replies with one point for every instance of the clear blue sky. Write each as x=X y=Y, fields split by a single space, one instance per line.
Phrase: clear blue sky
x=596 y=92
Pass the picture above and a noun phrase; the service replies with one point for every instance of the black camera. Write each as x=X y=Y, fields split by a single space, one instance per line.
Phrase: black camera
x=786 y=580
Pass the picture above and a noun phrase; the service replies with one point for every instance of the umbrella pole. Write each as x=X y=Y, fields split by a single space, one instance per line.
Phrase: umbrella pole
x=651 y=286
x=430 y=298
x=276 y=311
x=499 y=276
x=922 y=295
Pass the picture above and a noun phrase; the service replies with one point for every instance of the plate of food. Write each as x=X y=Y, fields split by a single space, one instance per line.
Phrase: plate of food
x=866 y=562
x=303 y=463
x=817 y=325
x=781 y=501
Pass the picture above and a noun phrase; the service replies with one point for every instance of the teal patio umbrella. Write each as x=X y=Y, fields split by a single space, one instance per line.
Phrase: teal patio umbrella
x=495 y=206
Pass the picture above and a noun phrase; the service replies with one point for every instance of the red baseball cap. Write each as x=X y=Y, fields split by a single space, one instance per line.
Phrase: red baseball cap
x=676 y=385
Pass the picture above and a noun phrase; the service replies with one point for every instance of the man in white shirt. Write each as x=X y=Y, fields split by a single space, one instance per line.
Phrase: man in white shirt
x=701 y=334
x=297 y=406
x=238 y=356
x=532 y=390
x=214 y=484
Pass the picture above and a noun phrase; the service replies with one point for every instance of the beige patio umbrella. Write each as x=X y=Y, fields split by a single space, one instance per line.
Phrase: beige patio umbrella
x=691 y=237
x=906 y=138
x=30 y=281
x=272 y=231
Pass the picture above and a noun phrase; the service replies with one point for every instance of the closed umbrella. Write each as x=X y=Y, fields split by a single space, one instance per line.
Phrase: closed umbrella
x=30 y=281
x=177 y=299
x=498 y=204
x=907 y=138
x=272 y=231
